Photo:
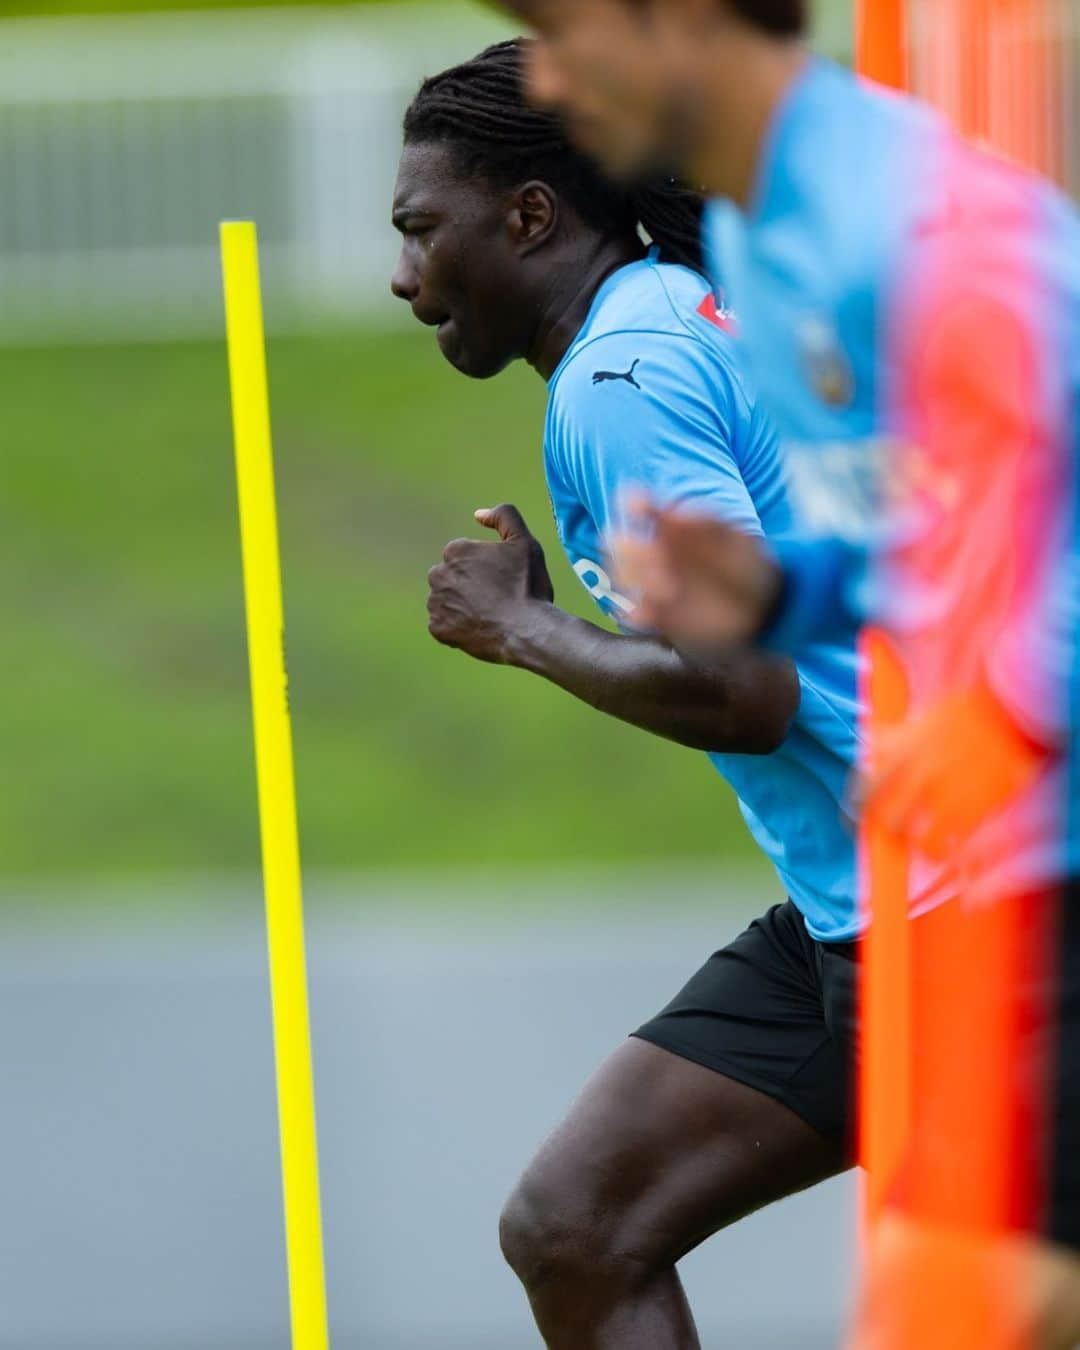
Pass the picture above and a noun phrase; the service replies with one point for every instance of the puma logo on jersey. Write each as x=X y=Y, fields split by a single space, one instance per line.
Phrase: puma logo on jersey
x=604 y=376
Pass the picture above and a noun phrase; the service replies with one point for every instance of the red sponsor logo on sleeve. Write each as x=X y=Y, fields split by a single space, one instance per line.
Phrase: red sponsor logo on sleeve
x=718 y=313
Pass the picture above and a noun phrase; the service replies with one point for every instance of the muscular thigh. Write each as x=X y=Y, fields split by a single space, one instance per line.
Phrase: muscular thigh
x=658 y=1152
x=734 y=1096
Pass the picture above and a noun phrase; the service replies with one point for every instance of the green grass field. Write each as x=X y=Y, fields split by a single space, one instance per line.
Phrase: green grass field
x=832 y=17
x=123 y=697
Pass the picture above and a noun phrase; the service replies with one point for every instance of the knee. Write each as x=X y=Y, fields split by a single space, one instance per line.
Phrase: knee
x=532 y=1237
x=552 y=1231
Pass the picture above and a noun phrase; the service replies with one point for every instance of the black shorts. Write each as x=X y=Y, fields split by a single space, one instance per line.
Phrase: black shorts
x=777 y=1010
x=1064 y=1221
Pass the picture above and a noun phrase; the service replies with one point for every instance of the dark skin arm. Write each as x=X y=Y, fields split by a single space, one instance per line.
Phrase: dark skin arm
x=496 y=602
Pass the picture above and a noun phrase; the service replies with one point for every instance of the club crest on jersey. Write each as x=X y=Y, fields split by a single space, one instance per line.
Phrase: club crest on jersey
x=826 y=363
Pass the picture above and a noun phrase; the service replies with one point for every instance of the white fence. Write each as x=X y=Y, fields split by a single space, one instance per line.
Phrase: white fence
x=124 y=140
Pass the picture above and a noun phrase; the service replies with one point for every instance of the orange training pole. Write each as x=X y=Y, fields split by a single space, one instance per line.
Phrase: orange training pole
x=997 y=68
x=885 y=1101
x=881 y=44
x=885 y=1086
x=951 y=1038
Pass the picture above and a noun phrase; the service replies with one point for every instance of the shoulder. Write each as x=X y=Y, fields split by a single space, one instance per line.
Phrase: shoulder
x=855 y=110
x=633 y=383
x=992 y=284
x=890 y=136
x=661 y=299
x=656 y=335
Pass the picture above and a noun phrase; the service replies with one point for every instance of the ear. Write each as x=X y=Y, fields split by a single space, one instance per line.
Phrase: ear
x=534 y=216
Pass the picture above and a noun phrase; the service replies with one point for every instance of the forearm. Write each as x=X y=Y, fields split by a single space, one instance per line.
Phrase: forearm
x=742 y=703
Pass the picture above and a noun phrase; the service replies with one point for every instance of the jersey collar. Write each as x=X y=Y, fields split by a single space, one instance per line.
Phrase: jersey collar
x=606 y=287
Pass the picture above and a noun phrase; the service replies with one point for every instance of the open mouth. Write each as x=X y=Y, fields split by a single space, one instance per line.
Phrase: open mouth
x=444 y=333
x=432 y=320
x=443 y=324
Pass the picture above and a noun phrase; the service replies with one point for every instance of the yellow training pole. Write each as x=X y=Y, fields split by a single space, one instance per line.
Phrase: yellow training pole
x=277 y=793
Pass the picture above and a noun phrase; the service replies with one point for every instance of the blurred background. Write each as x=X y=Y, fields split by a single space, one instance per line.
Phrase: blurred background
x=500 y=883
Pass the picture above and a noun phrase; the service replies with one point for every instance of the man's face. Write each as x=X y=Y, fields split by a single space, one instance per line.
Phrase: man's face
x=620 y=75
x=458 y=265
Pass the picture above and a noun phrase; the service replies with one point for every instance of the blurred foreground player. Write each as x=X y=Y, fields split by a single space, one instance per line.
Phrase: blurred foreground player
x=739 y=1092
x=892 y=285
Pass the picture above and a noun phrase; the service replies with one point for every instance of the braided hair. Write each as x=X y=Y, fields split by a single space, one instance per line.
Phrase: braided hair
x=479 y=109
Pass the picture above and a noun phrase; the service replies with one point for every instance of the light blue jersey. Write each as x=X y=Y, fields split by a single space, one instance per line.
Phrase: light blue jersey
x=849 y=187
x=651 y=395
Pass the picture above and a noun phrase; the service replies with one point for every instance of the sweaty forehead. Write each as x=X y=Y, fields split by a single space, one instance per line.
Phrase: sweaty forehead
x=425 y=173
x=430 y=178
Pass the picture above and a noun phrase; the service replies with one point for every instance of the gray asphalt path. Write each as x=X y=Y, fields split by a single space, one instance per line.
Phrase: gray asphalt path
x=139 y=1167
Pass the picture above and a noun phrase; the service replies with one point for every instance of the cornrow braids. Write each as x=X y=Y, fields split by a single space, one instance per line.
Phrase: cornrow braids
x=671 y=215
x=479 y=108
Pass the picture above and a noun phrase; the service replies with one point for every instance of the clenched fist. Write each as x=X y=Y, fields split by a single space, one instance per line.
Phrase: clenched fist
x=481 y=593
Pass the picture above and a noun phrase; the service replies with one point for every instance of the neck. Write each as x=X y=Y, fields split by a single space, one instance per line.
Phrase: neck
x=565 y=306
x=738 y=110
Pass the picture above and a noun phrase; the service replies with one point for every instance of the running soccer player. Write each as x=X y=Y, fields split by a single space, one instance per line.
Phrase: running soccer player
x=738 y=1093
x=841 y=209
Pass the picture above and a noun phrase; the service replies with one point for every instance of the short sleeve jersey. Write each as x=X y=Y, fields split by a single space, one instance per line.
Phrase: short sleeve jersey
x=651 y=394
x=826 y=262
